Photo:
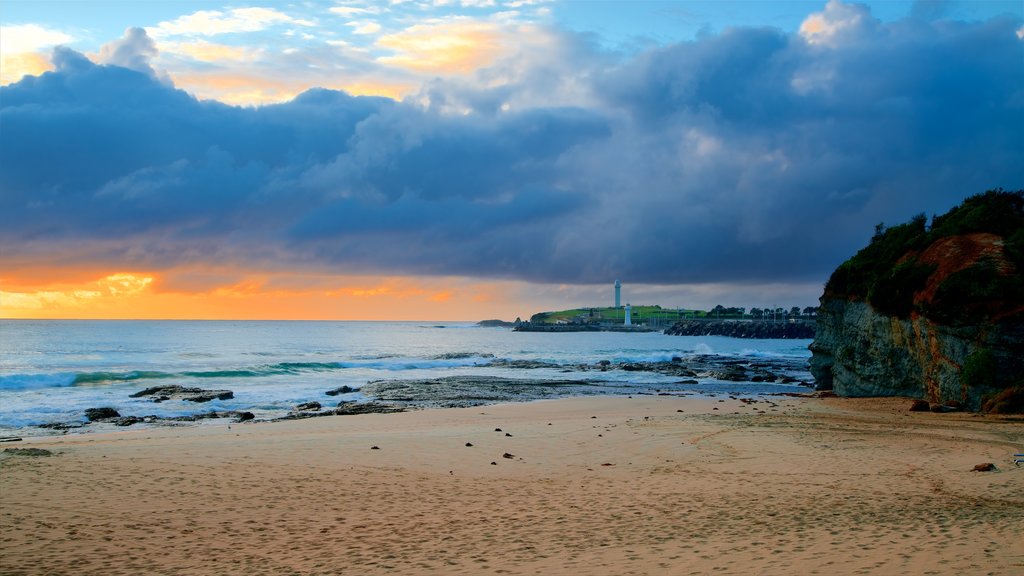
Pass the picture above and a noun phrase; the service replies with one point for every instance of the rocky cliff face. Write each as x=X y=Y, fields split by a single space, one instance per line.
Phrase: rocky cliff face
x=935 y=313
x=860 y=352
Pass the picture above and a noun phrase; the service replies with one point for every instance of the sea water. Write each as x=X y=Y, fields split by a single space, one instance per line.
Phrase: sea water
x=51 y=371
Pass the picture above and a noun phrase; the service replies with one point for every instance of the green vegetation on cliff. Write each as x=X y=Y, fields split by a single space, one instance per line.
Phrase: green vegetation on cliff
x=967 y=266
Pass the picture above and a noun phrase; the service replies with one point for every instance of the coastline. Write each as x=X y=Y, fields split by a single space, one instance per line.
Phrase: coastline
x=600 y=485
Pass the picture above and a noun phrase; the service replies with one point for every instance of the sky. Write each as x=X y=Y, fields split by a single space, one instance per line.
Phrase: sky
x=462 y=160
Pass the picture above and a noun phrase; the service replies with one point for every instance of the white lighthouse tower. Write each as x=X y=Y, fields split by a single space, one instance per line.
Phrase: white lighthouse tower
x=618 y=294
x=629 y=314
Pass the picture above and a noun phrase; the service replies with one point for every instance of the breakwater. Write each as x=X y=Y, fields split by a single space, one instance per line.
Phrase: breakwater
x=743 y=329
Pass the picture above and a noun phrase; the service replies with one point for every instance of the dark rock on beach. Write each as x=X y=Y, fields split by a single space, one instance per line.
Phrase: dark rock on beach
x=455 y=391
x=351 y=408
x=94 y=414
x=161 y=393
x=340 y=390
x=27 y=452
x=919 y=406
x=308 y=406
x=127 y=420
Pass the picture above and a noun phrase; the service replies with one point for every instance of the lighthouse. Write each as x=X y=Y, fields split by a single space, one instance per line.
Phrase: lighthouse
x=618 y=294
x=629 y=318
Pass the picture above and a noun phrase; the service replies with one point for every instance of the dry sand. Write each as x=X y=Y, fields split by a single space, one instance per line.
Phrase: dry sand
x=648 y=485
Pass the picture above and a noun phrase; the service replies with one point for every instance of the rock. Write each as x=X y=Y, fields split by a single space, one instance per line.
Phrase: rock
x=10 y=439
x=497 y=429
x=351 y=408
x=161 y=393
x=305 y=406
x=495 y=324
x=374 y=447
x=919 y=406
x=61 y=425
x=507 y=455
x=101 y=413
x=243 y=416
x=28 y=452
x=1009 y=401
x=469 y=444
x=341 y=390
x=986 y=467
x=128 y=420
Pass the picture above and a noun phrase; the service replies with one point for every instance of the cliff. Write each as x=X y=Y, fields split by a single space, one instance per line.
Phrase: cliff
x=931 y=312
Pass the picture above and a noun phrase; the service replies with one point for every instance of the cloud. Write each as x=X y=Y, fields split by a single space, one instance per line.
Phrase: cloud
x=216 y=22
x=837 y=23
x=135 y=50
x=743 y=159
x=453 y=46
x=364 y=27
x=20 y=50
x=19 y=38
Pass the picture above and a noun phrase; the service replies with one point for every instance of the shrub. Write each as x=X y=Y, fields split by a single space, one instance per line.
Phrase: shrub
x=979 y=370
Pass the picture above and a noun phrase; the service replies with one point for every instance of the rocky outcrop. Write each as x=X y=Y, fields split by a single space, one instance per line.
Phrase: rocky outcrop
x=742 y=329
x=860 y=352
x=932 y=314
x=162 y=393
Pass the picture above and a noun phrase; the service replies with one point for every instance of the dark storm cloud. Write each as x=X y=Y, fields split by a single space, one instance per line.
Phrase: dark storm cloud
x=747 y=156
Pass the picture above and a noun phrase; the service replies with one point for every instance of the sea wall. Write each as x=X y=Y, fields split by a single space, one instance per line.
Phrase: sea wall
x=860 y=352
x=742 y=329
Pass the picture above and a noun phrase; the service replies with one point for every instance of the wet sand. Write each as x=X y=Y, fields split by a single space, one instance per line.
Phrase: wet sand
x=647 y=485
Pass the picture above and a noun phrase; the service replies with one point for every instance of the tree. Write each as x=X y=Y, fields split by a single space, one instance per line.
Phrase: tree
x=810 y=310
x=794 y=311
x=756 y=313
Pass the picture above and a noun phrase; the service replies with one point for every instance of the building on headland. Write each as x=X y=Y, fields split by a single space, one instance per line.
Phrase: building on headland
x=629 y=319
x=618 y=294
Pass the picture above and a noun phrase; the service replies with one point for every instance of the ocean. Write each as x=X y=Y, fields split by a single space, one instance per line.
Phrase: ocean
x=51 y=371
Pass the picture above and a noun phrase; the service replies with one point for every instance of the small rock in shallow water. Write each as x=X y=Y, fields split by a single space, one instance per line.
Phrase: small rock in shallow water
x=100 y=413
x=507 y=455
x=374 y=447
x=469 y=443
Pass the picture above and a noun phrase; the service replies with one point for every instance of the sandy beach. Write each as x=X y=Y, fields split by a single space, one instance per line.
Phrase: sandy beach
x=643 y=485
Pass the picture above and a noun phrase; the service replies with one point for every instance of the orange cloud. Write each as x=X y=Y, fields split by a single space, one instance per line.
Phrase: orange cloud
x=446 y=48
x=14 y=67
x=205 y=51
x=68 y=299
x=247 y=89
